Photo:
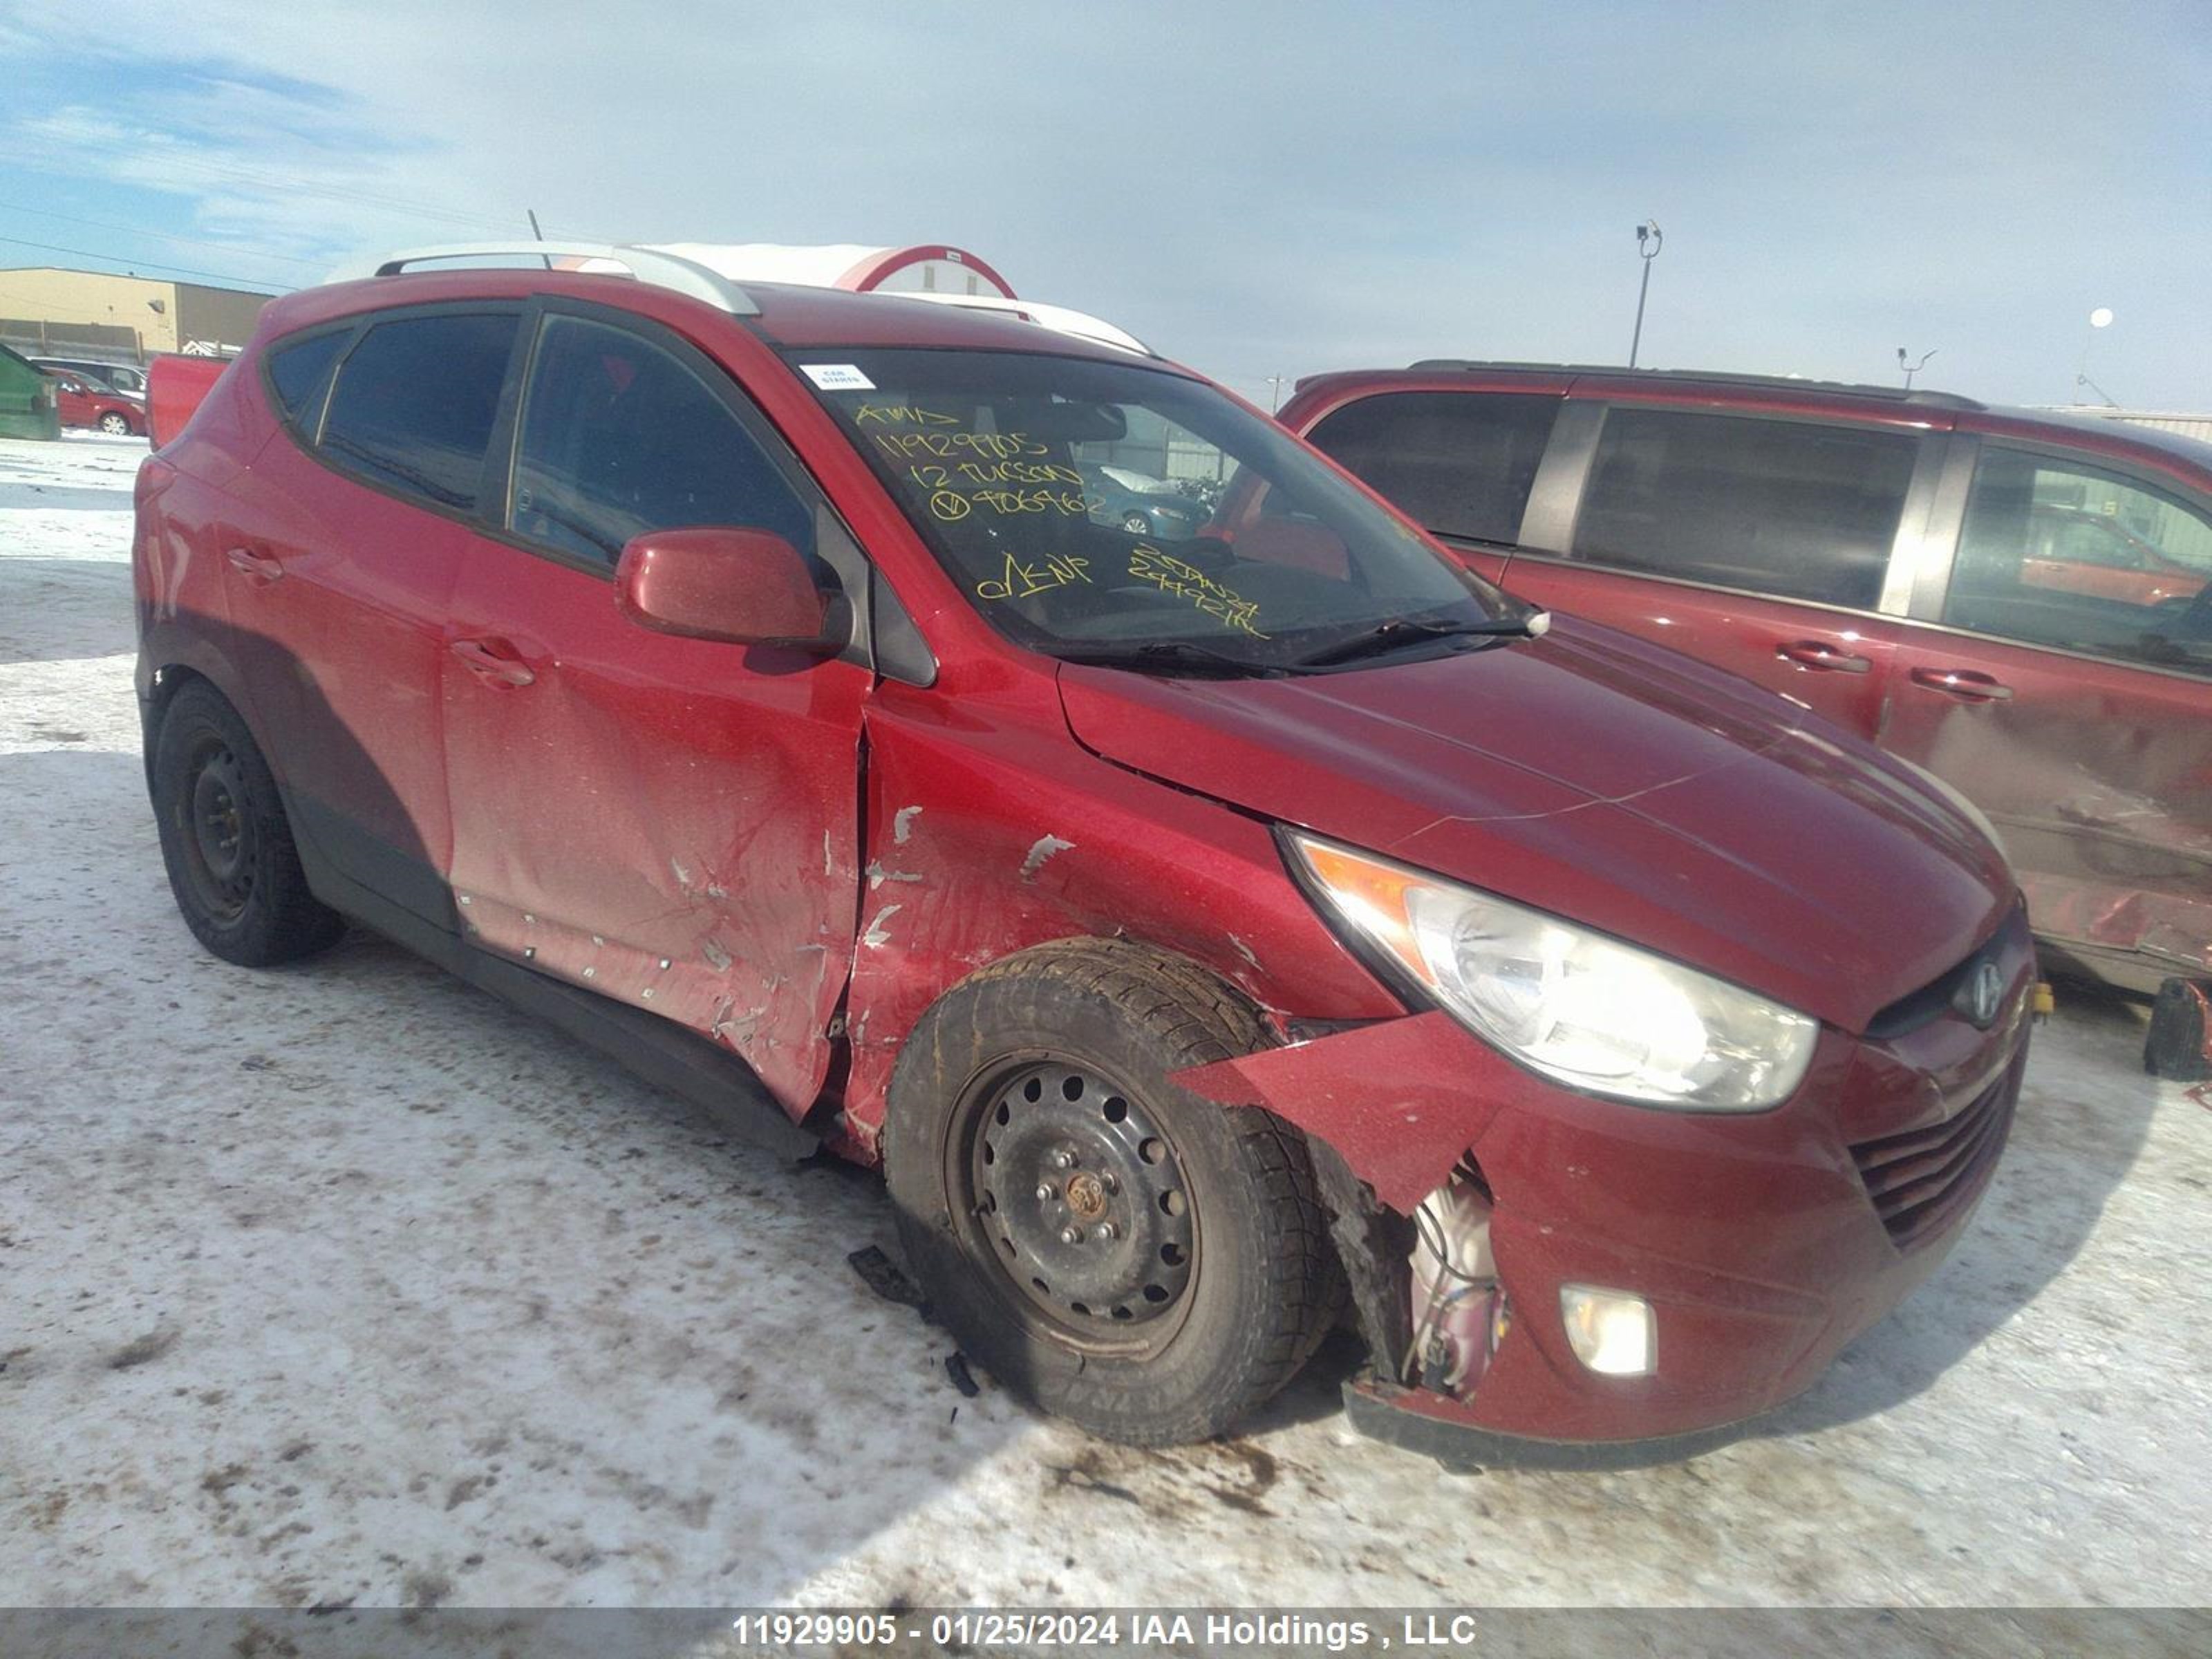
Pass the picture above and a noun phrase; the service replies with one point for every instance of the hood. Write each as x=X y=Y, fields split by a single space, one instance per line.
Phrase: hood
x=1607 y=781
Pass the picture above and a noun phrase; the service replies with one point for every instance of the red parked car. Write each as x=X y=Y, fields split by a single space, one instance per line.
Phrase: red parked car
x=85 y=403
x=2018 y=601
x=1197 y=933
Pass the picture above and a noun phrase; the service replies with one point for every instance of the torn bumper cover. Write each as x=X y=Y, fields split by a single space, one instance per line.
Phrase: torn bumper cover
x=1755 y=1239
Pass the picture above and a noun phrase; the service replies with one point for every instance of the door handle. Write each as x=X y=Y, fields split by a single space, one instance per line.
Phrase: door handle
x=1819 y=654
x=492 y=661
x=259 y=569
x=1965 y=684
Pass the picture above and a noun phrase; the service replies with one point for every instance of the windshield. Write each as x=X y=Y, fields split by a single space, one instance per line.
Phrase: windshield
x=1100 y=511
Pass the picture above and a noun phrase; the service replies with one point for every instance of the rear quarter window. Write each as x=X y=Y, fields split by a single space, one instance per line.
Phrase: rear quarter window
x=1793 y=508
x=415 y=404
x=1460 y=464
x=296 y=372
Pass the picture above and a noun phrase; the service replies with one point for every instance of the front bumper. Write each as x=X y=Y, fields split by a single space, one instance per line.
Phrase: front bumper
x=1764 y=1241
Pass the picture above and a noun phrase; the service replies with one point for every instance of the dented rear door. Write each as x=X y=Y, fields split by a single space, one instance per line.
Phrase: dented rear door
x=672 y=822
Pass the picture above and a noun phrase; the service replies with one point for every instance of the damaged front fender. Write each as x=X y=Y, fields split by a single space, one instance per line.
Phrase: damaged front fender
x=1400 y=1101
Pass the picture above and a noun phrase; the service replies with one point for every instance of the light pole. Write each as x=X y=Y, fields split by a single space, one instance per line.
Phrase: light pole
x=1648 y=241
x=2101 y=318
x=1911 y=369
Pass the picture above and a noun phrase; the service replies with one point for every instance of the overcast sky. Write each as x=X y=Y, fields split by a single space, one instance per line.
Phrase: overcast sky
x=1259 y=189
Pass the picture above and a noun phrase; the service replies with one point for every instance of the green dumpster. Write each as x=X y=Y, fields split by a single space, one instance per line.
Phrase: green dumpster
x=26 y=400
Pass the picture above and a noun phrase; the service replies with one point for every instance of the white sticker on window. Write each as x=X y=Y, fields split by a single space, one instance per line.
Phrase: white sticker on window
x=838 y=377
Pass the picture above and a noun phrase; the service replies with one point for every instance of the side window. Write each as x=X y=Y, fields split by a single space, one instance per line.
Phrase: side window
x=2055 y=553
x=296 y=371
x=1788 y=508
x=619 y=437
x=414 y=403
x=1460 y=463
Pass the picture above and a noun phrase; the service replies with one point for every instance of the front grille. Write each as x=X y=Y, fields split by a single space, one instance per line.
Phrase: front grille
x=1920 y=1180
x=1934 y=999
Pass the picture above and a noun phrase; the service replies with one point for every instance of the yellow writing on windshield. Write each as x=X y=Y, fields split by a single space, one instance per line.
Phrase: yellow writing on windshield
x=900 y=414
x=958 y=445
x=950 y=505
x=1184 y=581
x=1021 y=580
x=930 y=475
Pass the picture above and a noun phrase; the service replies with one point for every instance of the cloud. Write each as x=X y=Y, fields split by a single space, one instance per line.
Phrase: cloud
x=1260 y=188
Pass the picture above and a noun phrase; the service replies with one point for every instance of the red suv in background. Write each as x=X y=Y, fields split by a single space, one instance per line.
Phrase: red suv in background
x=2019 y=602
x=1198 y=924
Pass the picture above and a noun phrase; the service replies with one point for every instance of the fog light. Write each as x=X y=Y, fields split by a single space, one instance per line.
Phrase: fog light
x=1613 y=1333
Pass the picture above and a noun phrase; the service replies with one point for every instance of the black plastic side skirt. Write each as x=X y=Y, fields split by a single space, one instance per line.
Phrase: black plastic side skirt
x=669 y=1056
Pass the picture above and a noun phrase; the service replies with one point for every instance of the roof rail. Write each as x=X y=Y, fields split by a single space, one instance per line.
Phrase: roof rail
x=1061 y=319
x=1780 y=382
x=668 y=271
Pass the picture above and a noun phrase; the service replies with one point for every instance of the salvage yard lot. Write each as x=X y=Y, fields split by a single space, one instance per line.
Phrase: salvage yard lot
x=346 y=1284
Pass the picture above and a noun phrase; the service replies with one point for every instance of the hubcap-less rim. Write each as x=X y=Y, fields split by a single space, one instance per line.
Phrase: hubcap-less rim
x=1082 y=1202
x=1135 y=524
x=115 y=425
x=218 y=834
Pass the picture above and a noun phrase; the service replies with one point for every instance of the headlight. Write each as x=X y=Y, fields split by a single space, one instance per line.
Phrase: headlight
x=1598 y=1015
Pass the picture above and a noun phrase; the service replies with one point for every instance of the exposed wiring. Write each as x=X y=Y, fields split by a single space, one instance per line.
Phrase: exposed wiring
x=1422 y=1222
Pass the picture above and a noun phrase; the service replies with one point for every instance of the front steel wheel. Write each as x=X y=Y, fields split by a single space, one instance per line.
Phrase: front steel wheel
x=1148 y=1264
x=1078 y=1192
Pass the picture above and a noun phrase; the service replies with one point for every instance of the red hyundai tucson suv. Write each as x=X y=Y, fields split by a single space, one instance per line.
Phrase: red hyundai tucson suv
x=1200 y=930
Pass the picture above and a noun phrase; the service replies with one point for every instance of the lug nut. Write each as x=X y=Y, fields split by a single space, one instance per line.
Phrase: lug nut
x=1106 y=1232
x=1044 y=1192
x=1071 y=1235
x=1063 y=1159
x=1108 y=1182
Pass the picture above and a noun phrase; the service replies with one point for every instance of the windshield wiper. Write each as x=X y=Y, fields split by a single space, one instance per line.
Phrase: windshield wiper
x=1165 y=655
x=1399 y=632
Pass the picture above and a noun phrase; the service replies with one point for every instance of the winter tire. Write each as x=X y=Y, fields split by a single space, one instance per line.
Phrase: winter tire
x=1148 y=1264
x=226 y=841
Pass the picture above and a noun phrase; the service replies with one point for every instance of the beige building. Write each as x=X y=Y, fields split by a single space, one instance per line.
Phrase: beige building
x=2197 y=426
x=48 y=311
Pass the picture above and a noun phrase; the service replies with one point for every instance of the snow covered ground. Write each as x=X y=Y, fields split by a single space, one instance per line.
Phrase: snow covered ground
x=346 y=1283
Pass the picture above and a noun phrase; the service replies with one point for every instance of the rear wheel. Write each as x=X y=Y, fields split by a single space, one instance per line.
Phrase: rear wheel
x=115 y=425
x=1149 y=1264
x=226 y=841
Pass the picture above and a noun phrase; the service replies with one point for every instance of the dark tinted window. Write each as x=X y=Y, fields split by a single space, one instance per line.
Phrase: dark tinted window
x=2055 y=553
x=1786 y=508
x=296 y=371
x=619 y=437
x=415 y=402
x=1459 y=463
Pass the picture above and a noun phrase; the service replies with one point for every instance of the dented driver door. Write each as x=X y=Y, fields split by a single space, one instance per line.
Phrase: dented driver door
x=672 y=822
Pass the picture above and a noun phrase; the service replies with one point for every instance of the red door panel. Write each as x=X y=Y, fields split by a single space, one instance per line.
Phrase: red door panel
x=2098 y=776
x=1836 y=662
x=337 y=602
x=674 y=822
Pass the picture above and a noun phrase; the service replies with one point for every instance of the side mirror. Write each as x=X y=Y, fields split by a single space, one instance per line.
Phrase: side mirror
x=743 y=587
